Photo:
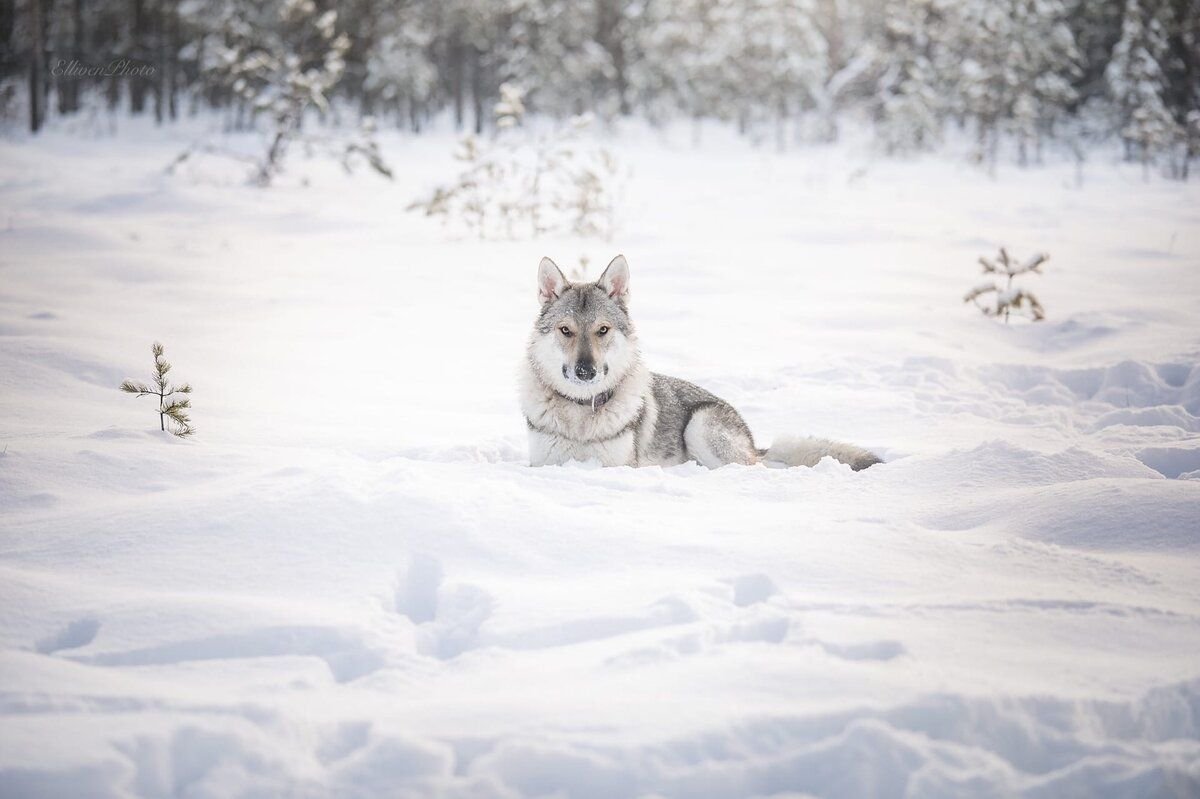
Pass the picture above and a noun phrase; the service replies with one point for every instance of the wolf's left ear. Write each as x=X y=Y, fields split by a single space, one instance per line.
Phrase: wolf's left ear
x=615 y=279
x=551 y=281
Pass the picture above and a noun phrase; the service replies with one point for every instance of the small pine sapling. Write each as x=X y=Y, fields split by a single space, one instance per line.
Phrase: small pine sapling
x=168 y=406
x=1008 y=298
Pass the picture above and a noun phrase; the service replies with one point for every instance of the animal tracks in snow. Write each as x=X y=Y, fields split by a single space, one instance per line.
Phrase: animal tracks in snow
x=78 y=633
x=752 y=612
x=667 y=612
x=447 y=616
x=451 y=619
x=1128 y=393
x=347 y=656
x=1173 y=462
x=750 y=589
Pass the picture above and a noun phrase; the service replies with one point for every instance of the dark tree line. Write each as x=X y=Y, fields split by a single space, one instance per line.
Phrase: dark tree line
x=1030 y=71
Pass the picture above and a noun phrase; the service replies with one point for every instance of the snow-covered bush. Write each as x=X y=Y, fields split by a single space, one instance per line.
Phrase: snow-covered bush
x=168 y=407
x=1007 y=299
x=523 y=183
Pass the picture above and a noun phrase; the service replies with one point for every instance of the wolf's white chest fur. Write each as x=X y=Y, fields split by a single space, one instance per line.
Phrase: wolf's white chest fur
x=547 y=450
x=562 y=430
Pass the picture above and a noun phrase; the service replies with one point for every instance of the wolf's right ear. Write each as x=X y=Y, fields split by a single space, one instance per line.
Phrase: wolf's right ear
x=551 y=281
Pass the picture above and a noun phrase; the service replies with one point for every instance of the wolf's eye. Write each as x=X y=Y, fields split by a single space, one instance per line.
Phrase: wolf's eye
x=603 y=329
x=566 y=331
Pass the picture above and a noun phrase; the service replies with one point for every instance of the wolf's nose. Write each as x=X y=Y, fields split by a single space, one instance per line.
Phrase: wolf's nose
x=585 y=371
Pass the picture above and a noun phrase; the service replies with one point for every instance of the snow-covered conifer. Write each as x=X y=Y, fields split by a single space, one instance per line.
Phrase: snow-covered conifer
x=399 y=74
x=782 y=64
x=1008 y=298
x=1137 y=84
x=910 y=92
x=278 y=61
x=1019 y=63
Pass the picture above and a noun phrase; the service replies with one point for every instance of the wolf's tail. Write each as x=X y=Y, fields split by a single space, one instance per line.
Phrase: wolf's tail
x=802 y=451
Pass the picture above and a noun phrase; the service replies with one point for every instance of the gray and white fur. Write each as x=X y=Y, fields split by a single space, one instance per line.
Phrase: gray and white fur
x=586 y=394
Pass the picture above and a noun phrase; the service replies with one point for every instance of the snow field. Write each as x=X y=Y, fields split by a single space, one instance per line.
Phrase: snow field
x=349 y=583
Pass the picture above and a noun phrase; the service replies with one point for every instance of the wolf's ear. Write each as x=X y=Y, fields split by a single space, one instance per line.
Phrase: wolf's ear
x=551 y=281
x=615 y=279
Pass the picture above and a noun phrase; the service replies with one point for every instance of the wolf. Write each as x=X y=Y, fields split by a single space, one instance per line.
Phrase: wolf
x=587 y=395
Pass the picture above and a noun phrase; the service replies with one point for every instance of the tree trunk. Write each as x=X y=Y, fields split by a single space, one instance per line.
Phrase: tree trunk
x=160 y=93
x=8 y=18
x=37 y=67
x=68 y=87
x=456 y=77
x=137 y=83
x=477 y=87
x=172 y=64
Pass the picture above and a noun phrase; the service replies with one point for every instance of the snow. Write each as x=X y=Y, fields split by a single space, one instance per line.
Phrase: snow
x=348 y=583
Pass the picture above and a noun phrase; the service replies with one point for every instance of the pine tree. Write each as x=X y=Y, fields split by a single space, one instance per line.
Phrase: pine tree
x=399 y=72
x=1019 y=64
x=689 y=46
x=1137 y=85
x=756 y=62
x=1008 y=299
x=168 y=407
x=783 y=57
x=909 y=94
x=1048 y=65
x=1096 y=28
x=278 y=60
x=555 y=57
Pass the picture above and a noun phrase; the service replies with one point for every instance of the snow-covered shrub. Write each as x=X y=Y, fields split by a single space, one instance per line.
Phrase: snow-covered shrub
x=522 y=183
x=168 y=407
x=1007 y=299
x=279 y=61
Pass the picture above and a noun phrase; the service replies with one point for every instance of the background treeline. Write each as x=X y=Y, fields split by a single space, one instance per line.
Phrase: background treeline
x=1021 y=71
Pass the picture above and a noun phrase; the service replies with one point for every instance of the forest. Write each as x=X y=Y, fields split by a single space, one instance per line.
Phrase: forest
x=1014 y=75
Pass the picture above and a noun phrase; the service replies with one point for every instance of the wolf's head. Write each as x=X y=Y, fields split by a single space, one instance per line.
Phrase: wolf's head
x=583 y=342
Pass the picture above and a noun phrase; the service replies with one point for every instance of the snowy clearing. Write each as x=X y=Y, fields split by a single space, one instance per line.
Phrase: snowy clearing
x=349 y=584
